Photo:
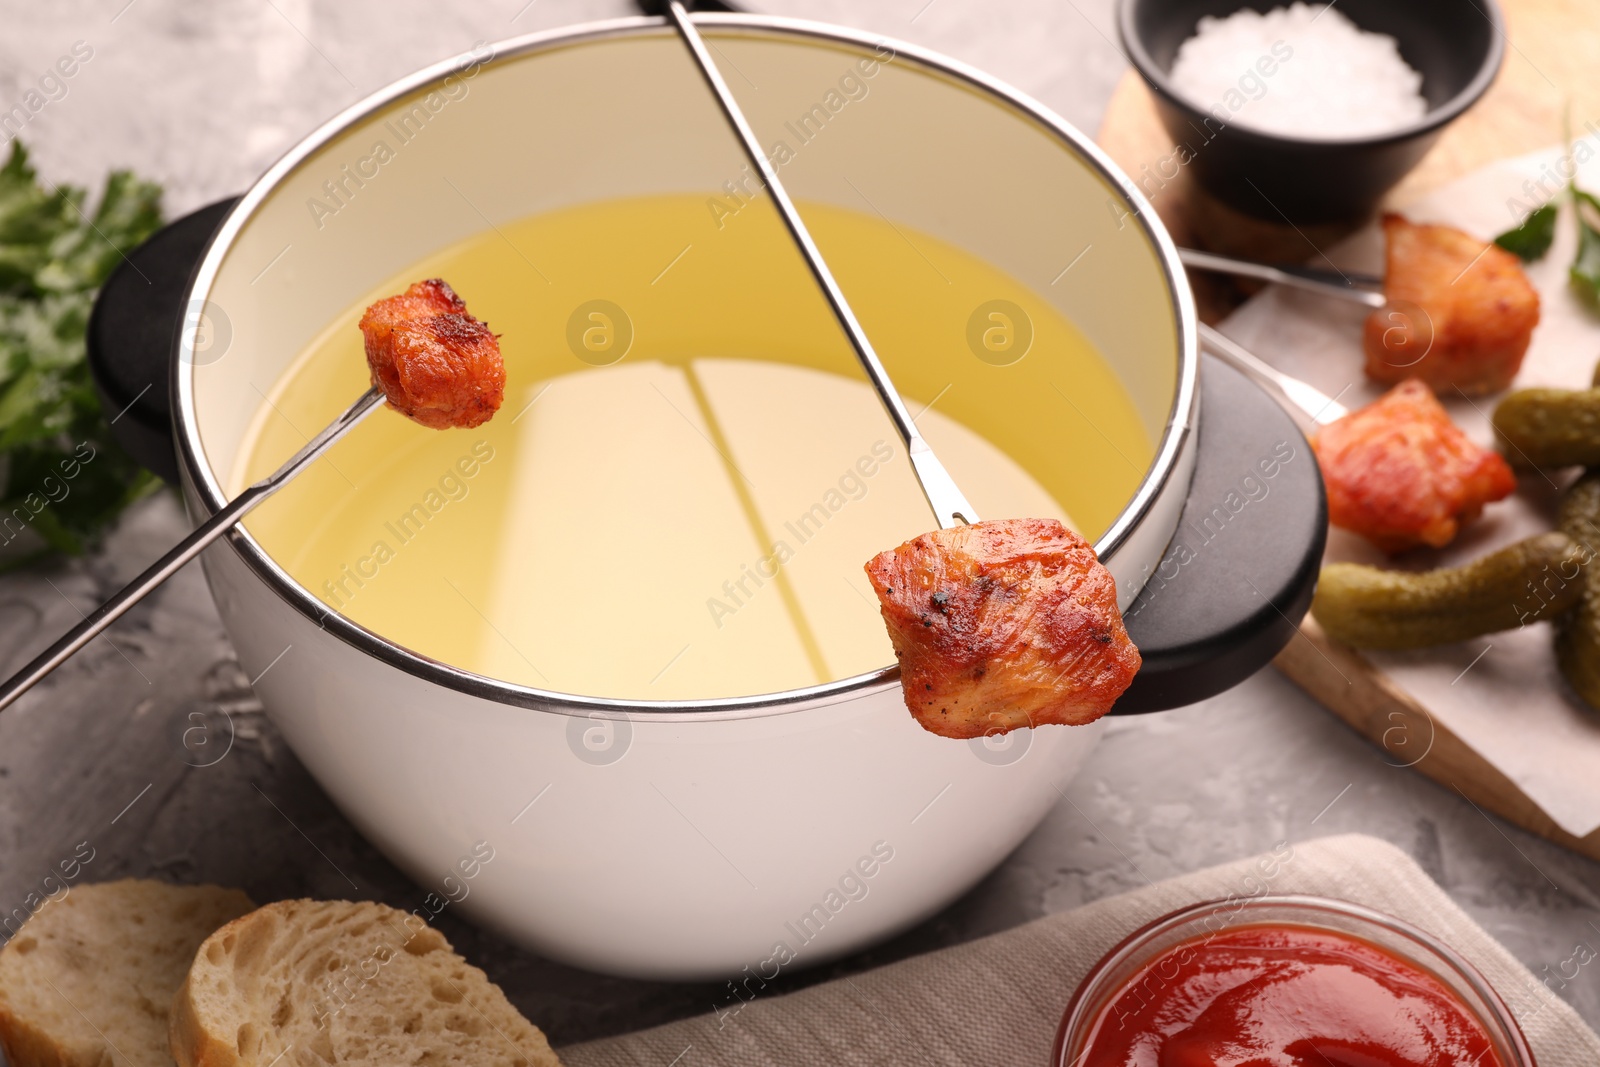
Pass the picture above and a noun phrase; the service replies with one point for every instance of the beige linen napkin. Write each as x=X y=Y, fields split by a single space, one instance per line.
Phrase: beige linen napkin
x=998 y=1000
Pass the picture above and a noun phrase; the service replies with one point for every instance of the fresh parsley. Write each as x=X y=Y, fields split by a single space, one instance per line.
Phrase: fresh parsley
x=1532 y=239
x=61 y=474
x=1584 y=274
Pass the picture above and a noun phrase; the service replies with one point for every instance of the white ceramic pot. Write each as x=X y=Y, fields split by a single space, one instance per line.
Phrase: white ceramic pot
x=690 y=839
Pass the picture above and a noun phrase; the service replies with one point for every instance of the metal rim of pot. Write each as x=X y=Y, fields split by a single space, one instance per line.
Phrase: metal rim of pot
x=198 y=475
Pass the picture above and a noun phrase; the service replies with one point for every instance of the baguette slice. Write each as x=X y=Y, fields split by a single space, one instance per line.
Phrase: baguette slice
x=89 y=978
x=308 y=983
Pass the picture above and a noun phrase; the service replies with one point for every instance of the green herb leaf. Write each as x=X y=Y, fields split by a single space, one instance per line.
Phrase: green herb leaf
x=1532 y=239
x=62 y=477
x=1584 y=274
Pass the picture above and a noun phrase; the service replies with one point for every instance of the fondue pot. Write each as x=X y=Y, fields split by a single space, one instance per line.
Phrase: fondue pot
x=697 y=838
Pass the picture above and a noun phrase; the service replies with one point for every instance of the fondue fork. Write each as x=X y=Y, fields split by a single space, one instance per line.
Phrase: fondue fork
x=950 y=507
x=186 y=550
x=1363 y=289
x=1316 y=407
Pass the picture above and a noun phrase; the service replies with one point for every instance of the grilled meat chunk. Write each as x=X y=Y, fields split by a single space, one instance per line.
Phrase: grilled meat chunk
x=1001 y=625
x=1401 y=474
x=1460 y=314
x=435 y=363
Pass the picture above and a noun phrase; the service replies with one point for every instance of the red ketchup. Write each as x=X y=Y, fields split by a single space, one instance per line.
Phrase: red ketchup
x=1285 y=996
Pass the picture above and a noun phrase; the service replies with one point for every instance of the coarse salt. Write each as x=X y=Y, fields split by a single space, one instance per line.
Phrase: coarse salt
x=1303 y=71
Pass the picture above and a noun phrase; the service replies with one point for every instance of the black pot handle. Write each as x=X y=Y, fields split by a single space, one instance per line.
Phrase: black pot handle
x=1235 y=582
x=133 y=335
x=1238 y=576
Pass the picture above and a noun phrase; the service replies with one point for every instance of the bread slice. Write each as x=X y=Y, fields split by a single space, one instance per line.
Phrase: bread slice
x=88 y=979
x=308 y=983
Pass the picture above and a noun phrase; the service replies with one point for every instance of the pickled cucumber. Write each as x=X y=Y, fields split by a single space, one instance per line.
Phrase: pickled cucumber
x=1578 y=631
x=1366 y=607
x=1550 y=427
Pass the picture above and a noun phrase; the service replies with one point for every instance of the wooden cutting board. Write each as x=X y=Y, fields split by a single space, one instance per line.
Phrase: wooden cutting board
x=1553 y=58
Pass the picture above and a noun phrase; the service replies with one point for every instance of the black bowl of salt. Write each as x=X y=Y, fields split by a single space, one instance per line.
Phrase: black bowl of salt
x=1308 y=113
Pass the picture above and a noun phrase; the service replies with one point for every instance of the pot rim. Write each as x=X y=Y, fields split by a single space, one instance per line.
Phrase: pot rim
x=202 y=480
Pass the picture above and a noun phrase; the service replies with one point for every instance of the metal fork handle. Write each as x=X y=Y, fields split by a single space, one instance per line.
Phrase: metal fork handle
x=187 y=549
x=1315 y=407
x=944 y=496
x=1361 y=289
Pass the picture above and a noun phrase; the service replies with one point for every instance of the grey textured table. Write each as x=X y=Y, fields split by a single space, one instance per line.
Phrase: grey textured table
x=203 y=97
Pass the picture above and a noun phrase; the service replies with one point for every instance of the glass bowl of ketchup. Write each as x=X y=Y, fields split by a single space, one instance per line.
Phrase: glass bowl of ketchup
x=1286 y=981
